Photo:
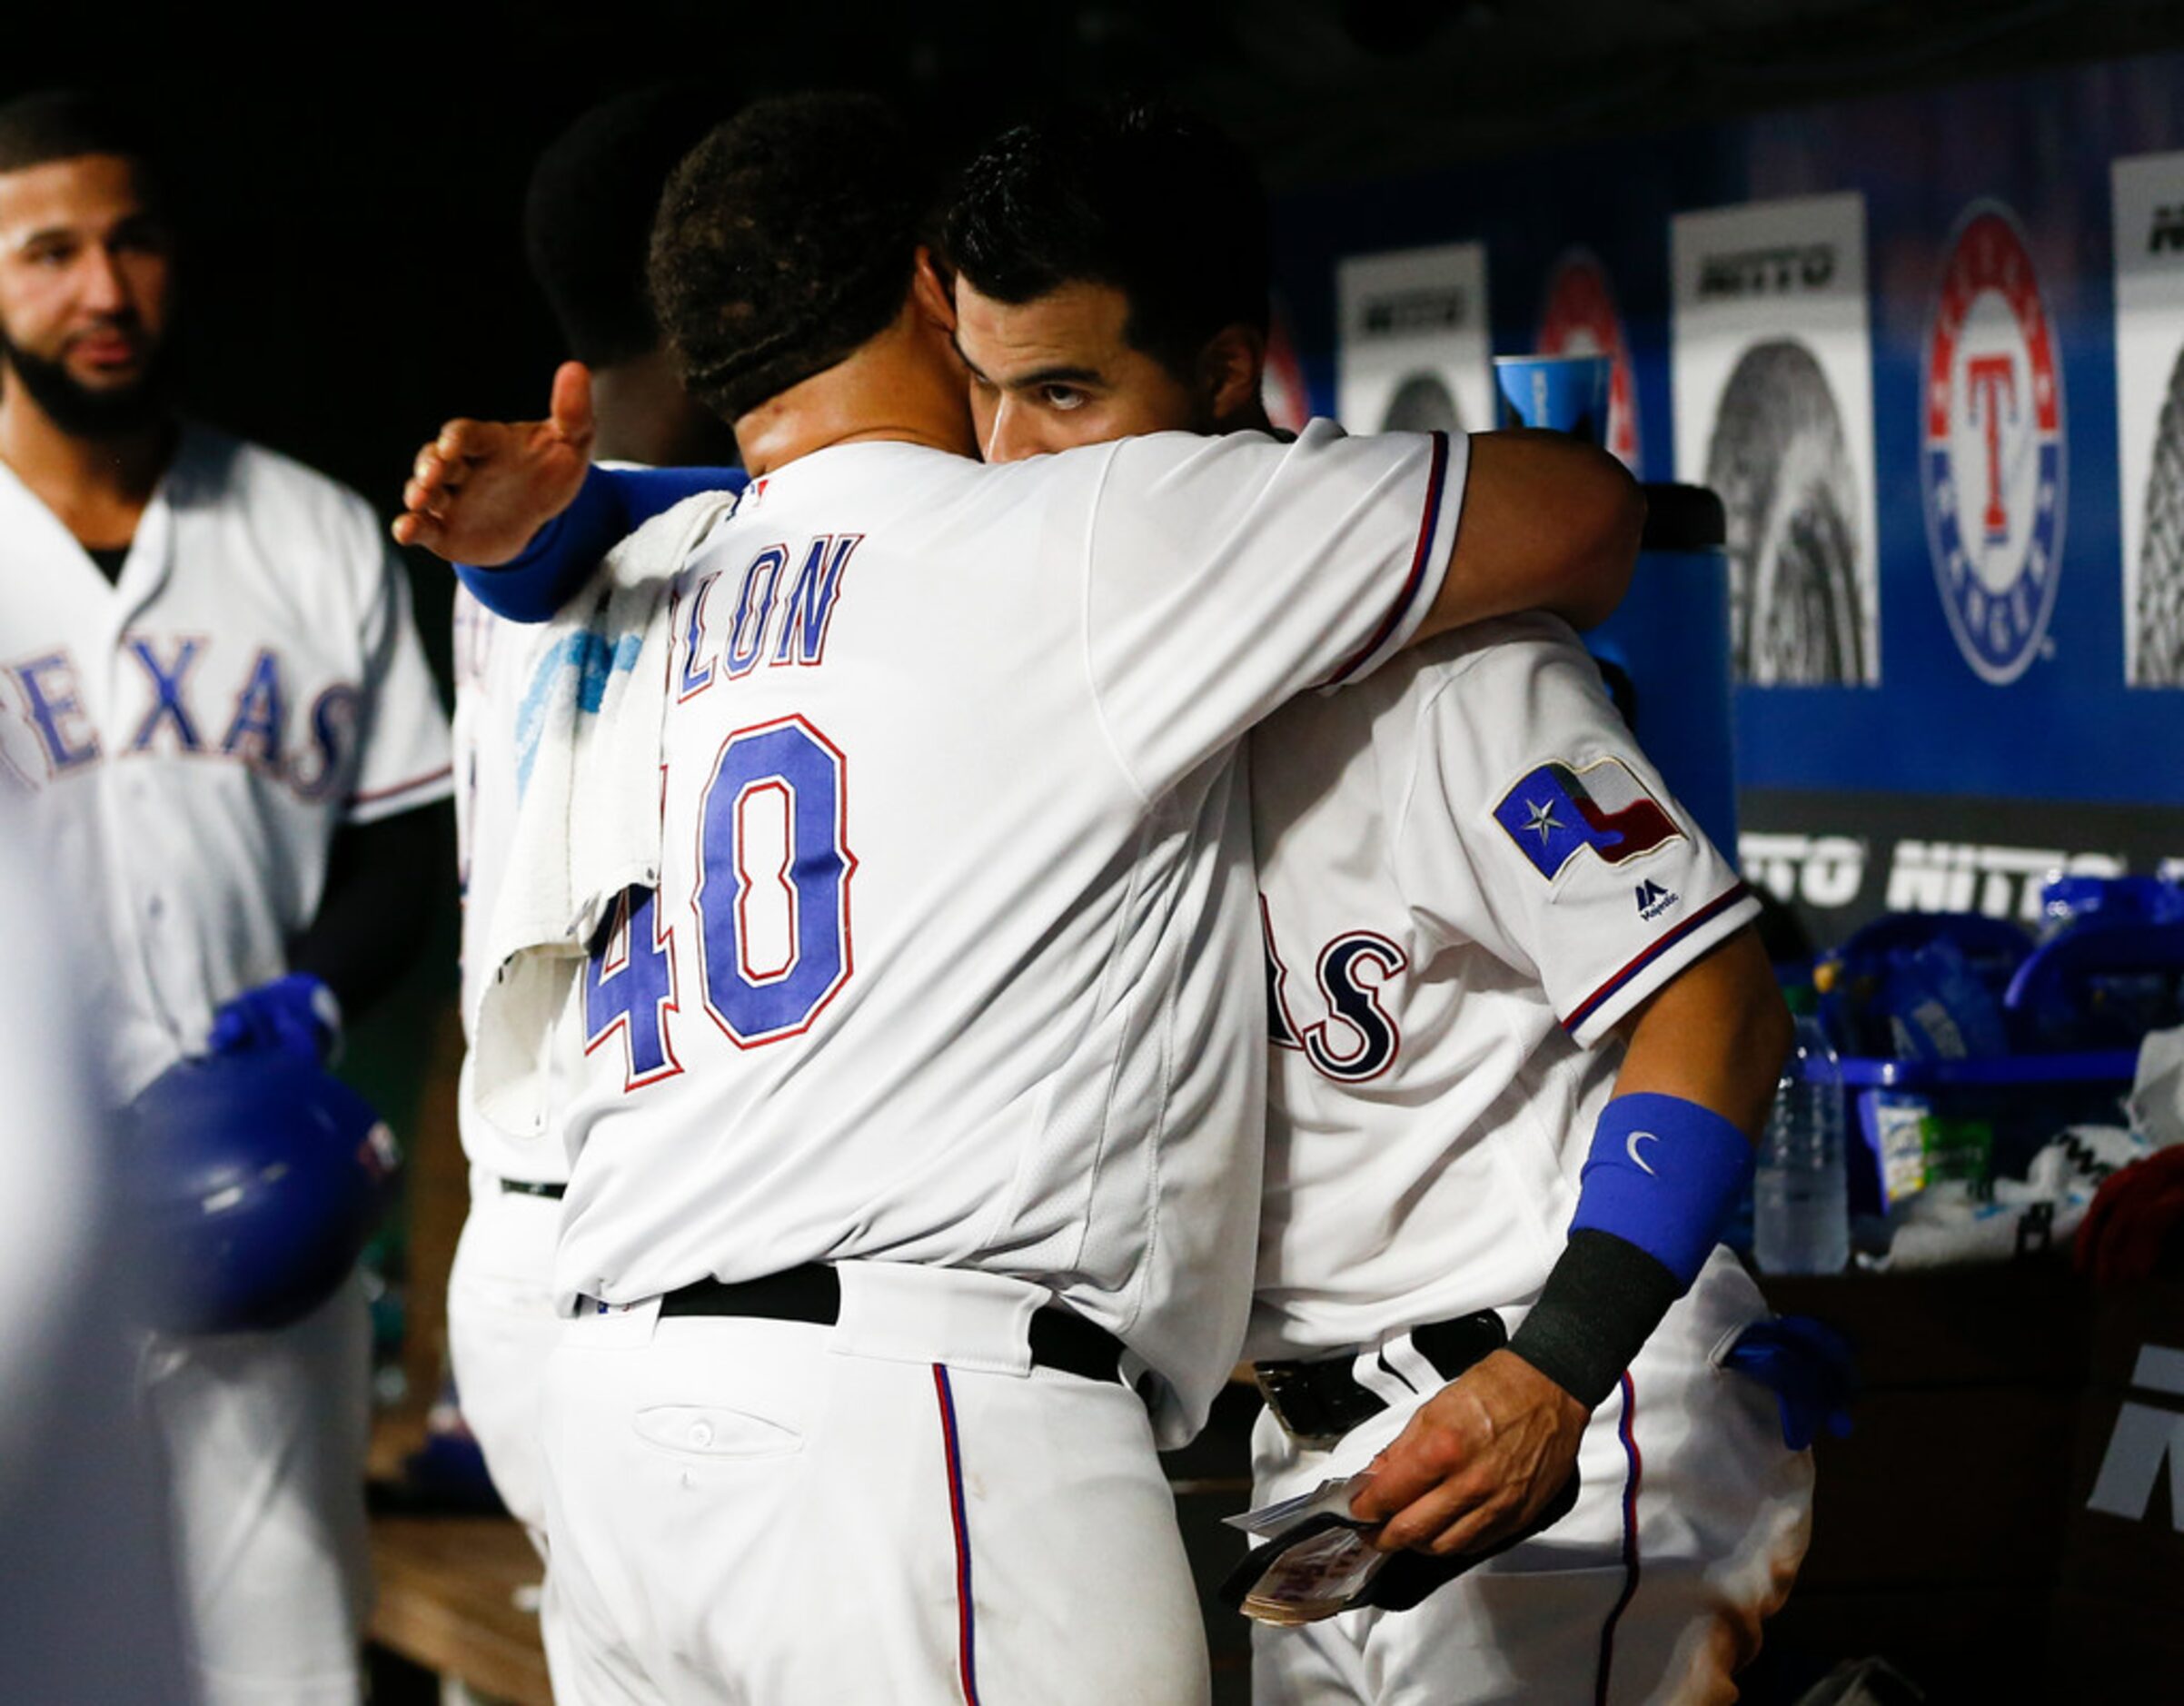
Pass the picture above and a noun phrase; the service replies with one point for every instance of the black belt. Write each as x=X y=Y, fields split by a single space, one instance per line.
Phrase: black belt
x=526 y=1187
x=1317 y=1402
x=1059 y=1339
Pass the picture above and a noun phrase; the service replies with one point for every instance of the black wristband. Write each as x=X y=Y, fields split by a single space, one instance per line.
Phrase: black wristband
x=1602 y=1301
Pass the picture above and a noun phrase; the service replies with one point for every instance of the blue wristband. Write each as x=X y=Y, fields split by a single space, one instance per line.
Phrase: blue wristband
x=1665 y=1175
x=612 y=504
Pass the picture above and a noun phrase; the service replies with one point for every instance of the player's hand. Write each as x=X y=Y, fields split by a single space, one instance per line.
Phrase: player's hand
x=1479 y=1460
x=297 y=1015
x=478 y=493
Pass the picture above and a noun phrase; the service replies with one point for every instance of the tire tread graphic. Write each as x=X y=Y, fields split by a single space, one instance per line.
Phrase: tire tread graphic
x=1782 y=464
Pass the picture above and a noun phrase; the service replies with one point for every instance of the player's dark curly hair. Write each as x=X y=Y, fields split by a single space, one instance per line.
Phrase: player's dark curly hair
x=784 y=241
x=588 y=214
x=1146 y=197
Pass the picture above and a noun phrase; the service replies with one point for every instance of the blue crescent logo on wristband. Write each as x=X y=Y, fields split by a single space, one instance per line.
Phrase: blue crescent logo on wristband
x=1630 y=1149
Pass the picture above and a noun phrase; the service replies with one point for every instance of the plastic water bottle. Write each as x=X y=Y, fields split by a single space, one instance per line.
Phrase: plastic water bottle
x=1801 y=1199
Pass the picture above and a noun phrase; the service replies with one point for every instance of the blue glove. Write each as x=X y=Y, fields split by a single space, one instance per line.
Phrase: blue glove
x=1809 y=1368
x=296 y=1015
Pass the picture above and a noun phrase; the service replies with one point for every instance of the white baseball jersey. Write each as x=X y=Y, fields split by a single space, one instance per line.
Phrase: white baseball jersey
x=953 y=958
x=1471 y=874
x=192 y=735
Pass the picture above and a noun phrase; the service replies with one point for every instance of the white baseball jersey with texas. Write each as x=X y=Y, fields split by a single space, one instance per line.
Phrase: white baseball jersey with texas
x=1471 y=874
x=194 y=734
x=956 y=870
x=189 y=739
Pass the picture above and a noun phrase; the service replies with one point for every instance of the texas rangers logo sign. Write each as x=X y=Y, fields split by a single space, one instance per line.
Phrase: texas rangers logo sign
x=1992 y=462
x=1554 y=813
x=1578 y=317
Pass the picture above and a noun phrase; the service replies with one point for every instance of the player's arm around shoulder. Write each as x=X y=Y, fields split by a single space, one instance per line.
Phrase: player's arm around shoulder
x=1548 y=523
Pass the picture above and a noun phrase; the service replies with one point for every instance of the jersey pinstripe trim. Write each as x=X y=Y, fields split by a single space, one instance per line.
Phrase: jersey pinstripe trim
x=1575 y=1021
x=415 y=784
x=1429 y=528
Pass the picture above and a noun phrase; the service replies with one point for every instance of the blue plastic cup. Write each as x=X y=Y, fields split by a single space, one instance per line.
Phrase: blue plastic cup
x=1564 y=394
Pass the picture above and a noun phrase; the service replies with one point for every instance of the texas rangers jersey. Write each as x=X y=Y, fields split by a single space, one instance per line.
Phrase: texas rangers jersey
x=1471 y=874
x=953 y=956
x=191 y=735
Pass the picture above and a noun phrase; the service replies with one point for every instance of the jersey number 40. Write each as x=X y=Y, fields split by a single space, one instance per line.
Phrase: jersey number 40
x=771 y=905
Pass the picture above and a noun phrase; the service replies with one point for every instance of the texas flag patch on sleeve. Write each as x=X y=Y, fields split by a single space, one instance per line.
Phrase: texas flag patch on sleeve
x=1554 y=813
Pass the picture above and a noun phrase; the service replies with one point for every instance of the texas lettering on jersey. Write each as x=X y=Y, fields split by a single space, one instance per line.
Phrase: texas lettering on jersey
x=771 y=945
x=192 y=695
x=1358 y=1038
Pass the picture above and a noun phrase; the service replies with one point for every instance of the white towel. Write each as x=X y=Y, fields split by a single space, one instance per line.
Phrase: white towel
x=588 y=814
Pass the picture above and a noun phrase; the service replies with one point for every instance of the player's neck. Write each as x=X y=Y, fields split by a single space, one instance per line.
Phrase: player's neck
x=98 y=487
x=902 y=386
x=644 y=416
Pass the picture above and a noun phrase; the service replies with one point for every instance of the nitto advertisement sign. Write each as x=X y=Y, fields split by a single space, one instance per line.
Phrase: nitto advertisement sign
x=2149 y=413
x=1772 y=371
x=1928 y=348
x=1414 y=352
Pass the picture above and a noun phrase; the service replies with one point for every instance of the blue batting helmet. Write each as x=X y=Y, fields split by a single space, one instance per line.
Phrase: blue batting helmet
x=254 y=1180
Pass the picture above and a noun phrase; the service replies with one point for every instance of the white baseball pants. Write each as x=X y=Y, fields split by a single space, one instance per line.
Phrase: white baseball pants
x=895 y=1509
x=500 y=1328
x=1691 y=1521
x=264 y=1434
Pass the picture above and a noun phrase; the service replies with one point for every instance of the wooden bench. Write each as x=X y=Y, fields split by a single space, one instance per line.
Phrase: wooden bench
x=459 y=1596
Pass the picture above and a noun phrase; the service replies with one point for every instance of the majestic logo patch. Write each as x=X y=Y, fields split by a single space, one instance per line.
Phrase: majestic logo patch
x=1654 y=900
x=1992 y=462
x=1555 y=812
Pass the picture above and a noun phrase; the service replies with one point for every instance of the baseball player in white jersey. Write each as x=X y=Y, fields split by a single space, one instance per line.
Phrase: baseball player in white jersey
x=1472 y=878
x=587 y=219
x=212 y=694
x=937 y=1099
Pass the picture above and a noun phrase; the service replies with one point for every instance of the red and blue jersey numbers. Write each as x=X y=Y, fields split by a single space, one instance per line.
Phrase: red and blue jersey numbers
x=1358 y=1039
x=770 y=903
x=630 y=989
x=1554 y=813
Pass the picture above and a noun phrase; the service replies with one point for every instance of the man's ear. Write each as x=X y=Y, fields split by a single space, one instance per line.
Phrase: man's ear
x=1230 y=368
x=933 y=289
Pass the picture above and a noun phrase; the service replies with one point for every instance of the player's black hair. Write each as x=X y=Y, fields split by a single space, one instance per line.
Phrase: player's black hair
x=63 y=124
x=1151 y=200
x=588 y=215
x=785 y=240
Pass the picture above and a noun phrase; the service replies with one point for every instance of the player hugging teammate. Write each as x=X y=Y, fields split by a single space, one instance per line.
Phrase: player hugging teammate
x=856 y=1276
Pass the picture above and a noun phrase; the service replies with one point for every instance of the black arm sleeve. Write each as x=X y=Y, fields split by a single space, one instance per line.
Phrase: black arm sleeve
x=382 y=882
x=1602 y=1301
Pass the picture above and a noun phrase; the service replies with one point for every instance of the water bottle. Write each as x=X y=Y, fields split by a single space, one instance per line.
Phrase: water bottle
x=1801 y=1201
